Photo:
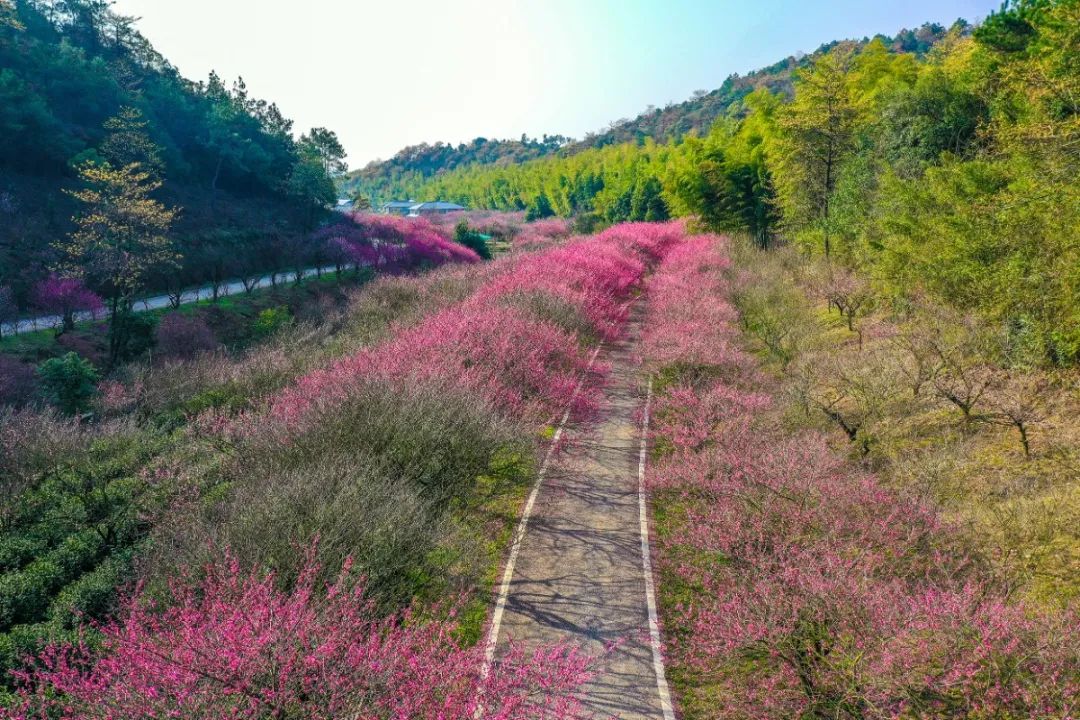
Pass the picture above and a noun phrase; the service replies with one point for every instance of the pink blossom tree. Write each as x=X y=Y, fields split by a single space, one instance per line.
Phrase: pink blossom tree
x=65 y=297
x=235 y=645
x=805 y=587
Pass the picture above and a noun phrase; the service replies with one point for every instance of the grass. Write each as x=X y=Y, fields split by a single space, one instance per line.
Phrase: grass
x=486 y=523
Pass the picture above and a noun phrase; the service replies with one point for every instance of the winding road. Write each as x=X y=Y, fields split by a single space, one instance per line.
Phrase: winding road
x=579 y=569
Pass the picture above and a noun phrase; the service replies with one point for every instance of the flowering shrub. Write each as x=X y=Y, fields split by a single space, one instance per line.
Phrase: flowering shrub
x=236 y=646
x=798 y=586
x=522 y=365
x=391 y=243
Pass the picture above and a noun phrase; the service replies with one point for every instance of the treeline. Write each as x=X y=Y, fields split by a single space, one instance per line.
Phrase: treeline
x=951 y=174
x=78 y=83
x=403 y=175
x=385 y=180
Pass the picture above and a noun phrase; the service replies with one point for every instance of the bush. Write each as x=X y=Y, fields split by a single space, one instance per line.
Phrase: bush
x=136 y=334
x=184 y=336
x=472 y=240
x=17 y=549
x=25 y=594
x=94 y=595
x=68 y=382
x=270 y=321
x=16 y=381
x=397 y=460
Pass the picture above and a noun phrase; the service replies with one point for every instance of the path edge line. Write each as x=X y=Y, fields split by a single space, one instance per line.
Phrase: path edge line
x=646 y=561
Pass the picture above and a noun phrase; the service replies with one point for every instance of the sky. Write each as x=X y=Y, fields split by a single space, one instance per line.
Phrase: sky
x=385 y=74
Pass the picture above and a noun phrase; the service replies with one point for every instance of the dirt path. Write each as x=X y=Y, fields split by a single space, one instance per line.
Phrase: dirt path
x=577 y=573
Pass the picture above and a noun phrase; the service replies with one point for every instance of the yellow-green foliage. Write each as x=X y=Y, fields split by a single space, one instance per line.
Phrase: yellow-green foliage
x=883 y=388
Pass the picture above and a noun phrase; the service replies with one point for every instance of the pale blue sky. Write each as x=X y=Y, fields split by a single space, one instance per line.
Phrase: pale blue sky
x=386 y=74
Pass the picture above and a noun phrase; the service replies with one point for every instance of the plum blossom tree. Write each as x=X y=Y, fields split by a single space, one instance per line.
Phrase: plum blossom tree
x=235 y=645
x=65 y=297
x=817 y=592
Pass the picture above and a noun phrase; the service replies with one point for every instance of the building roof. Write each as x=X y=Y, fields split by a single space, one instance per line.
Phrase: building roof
x=438 y=205
x=400 y=203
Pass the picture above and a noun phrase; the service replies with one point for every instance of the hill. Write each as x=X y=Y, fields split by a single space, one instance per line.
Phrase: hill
x=949 y=173
x=380 y=180
x=398 y=177
x=70 y=72
x=697 y=114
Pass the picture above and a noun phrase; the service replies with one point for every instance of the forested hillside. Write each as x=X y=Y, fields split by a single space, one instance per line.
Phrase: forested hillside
x=384 y=180
x=698 y=114
x=403 y=175
x=952 y=174
x=80 y=88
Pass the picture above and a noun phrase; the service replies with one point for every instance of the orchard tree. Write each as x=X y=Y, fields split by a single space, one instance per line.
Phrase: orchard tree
x=65 y=296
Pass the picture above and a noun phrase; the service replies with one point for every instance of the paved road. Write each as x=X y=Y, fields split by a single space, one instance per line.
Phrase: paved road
x=157 y=302
x=579 y=571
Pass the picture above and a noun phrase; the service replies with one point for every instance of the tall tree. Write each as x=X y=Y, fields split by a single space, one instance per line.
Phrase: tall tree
x=120 y=238
x=324 y=144
x=311 y=184
x=816 y=136
x=129 y=142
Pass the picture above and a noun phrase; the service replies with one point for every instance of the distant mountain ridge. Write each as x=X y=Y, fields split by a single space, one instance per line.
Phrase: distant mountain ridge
x=382 y=180
x=378 y=180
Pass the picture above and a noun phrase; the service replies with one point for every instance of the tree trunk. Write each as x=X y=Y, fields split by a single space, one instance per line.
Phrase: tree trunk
x=1022 y=427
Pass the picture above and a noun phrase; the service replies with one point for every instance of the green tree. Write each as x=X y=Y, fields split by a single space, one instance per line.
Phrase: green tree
x=320 y=158
x=472 y=240
x=816 y=137
x=120 y=238
x=648 y=203
x=68 y=382
x=540 y=208
x=324 y=144
x=724 y=178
